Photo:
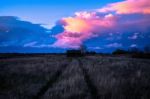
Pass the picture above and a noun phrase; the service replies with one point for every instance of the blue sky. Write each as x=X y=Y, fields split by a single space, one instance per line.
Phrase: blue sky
x=47 y=12
x=56 y=25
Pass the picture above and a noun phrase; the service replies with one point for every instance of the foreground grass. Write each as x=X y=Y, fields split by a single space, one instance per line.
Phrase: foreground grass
x=59 y=77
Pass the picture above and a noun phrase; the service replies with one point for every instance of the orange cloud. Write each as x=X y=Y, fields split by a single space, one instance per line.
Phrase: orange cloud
x=128 y=7
x=82 y=23
x=76 y=25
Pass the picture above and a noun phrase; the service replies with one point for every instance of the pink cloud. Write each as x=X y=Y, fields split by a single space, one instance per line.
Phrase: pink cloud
x=82 y=27
x=128 y=7
x=86 y=25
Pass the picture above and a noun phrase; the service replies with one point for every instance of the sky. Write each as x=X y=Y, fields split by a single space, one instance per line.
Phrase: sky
x=58 y=25
x=47 y=12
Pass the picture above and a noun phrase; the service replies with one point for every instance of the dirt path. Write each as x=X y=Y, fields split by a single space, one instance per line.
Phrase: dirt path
x=92 y=88
x=51 y=81
x=72 y=74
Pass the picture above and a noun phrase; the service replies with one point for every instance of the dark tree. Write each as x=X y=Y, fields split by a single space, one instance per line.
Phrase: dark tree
x=119 y=51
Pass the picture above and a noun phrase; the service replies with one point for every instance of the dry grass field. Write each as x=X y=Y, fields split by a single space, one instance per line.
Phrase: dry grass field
x=60 y=77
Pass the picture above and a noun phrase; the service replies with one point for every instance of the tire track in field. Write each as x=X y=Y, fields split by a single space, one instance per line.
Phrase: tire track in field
x=52 y=80
x=92 y=88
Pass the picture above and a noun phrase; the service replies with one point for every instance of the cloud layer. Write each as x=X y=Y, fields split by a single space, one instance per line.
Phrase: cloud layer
x=117 y=25
x=14 y=32
x=128 y=7
x=127 y=16
x=81 y=27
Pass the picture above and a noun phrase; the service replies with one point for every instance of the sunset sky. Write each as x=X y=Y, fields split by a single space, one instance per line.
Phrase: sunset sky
x=57 y=25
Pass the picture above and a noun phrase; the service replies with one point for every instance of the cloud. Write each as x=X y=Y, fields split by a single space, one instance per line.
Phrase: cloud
x=15 y=32
x=87 y=25
x=134 y=36
x=125 y=17
x=35 y=45
x=95 y=48
x=30 y=44
x=128 y=7
x=83 y=26
x=122 y=19
x=114 y=45
x=133 y=45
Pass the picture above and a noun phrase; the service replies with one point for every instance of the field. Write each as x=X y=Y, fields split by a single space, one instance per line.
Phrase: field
x=60 y=77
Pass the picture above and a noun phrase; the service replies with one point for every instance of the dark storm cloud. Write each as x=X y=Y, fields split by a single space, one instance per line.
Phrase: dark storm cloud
x=15 y=32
